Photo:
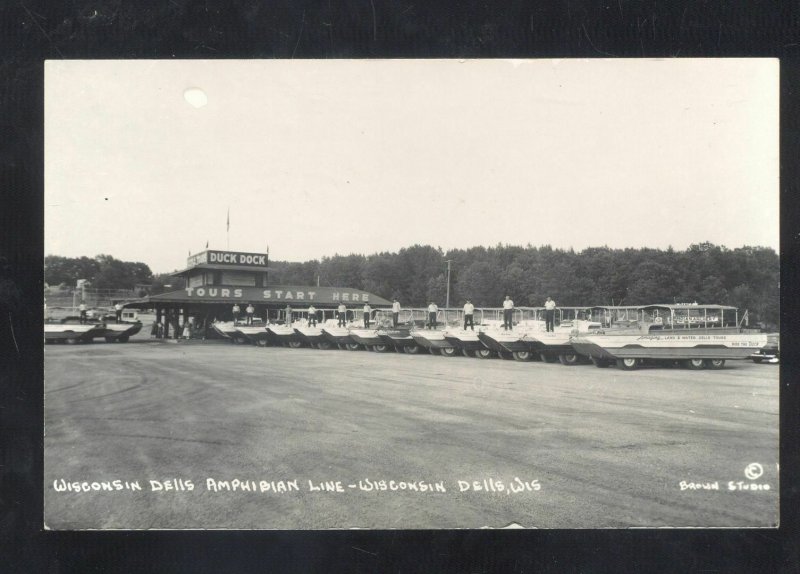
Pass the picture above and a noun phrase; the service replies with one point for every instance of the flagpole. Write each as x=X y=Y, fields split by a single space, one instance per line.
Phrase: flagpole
x=228 y=230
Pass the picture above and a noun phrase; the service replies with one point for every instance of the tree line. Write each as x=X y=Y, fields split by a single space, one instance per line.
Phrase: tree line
x=745 y=277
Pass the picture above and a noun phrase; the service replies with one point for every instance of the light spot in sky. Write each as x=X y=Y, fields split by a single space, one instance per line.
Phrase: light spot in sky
x=196 y=97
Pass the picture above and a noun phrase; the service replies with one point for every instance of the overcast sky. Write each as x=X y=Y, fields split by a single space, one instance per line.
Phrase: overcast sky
x=318 y=157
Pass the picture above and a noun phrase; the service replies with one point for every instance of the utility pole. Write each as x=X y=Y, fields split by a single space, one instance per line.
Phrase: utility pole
x=447 y=302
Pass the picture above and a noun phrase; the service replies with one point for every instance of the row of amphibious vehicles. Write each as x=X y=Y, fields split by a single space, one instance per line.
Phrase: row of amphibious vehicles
x=693 y=336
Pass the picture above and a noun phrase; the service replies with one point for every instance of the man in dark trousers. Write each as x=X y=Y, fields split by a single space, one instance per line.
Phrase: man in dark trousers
x=469 y=311
x=342 y=310
x=118 y=311
x=82 y=309
x=508 y=313
x=549 y=314
x=236 y=310
x=250 y=310
x=433 y=309
x=367 y=311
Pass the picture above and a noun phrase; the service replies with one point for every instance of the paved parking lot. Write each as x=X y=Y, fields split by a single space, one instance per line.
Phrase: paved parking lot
x=226 y=436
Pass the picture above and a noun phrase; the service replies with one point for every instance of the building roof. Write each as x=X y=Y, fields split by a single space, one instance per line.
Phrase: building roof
x=221 y=267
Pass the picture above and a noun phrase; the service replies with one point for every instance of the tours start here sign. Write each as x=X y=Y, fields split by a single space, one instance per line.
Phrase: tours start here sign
x=272 y=294
x=228 y=258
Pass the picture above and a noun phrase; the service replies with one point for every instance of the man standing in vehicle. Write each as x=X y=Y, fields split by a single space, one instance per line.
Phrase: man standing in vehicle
x=82 y=309
x=433 y=309
x=342 y=310
x=118 y=311
x=508 y=313
x=236 y=310
x=549 y=315
x=367 y=311
x=312 y=316
x=469 y=311
x=250 y=310
x=395 y=313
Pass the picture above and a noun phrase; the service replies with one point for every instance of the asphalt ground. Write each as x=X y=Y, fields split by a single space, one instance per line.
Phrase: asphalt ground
x=549 y=446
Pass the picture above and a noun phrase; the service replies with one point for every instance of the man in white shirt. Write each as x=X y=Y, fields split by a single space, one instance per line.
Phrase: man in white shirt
x=549 y=314
x=432 y=310
x=395 y=312
x=367 y=311
x=82 y=309
x=508 y=313
x=236 y=310
x=469 y=311
x=312 y=316
x=250 y=310
x=342 y=310
x=118 y=311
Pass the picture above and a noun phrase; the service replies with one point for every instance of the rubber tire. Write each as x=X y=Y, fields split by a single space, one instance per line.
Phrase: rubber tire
x=324 y=345
x=467 y=353
x=71 y=341
x=600 y=363
x=353 y=346
x=342 y=346
x=715 y=364
x=524 y=356
x=569 y=359
x=262 y=343
x=694 y=364
x=505 y=355
x=547 y=358
x=448 y=351
x=483 y=354
x=433 y=350
x=295 y=344
x=758 y=360
x=627 y=364
x=411 y=349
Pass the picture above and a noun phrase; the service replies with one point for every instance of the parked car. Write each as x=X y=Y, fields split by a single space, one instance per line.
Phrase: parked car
x=769 y=353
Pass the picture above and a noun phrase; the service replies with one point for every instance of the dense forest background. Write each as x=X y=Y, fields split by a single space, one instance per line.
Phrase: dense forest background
x=746 y=277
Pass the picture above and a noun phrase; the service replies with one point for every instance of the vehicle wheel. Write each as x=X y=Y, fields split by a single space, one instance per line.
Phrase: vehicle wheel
x=694 y=364
x=715 y=363
x=433 y=350
x=569 y=359
x=342 y=346
x=448 y=351
x=71 y=341
x=758 y=359
x=522 y=355
x=380 y=348
x=506 y=355
x=411 y=349
x=323 y=345
x=353 y=346
x=295 y=344
x=600 y=363
x=484 y=354
x=261 y=342
x=627 y=364
x=547 y=358
x=467 y=353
